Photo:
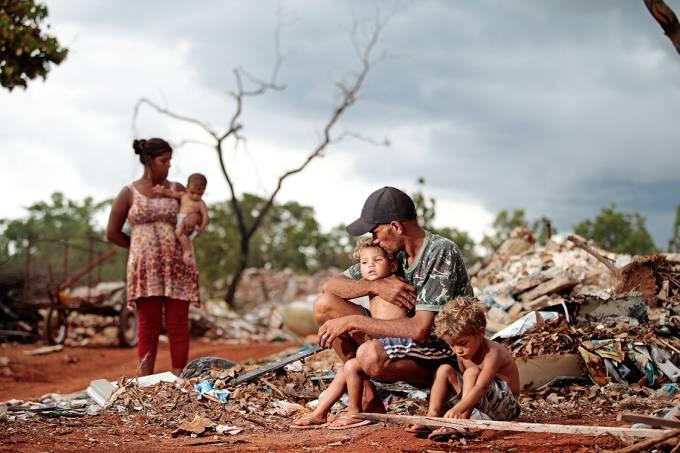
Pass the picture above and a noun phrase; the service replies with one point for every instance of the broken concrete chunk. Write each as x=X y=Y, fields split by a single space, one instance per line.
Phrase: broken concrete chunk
x=100 y=391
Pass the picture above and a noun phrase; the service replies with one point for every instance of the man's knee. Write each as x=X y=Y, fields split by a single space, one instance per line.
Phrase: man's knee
x=323 y=308
x=372 y=358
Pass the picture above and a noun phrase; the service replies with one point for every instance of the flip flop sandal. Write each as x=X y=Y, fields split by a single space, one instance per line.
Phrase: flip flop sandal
x=357 y=424
x=422 y=431
x=313 y=426
x=445 y=435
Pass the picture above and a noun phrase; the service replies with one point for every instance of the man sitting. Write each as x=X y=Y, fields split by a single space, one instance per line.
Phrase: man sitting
x=430 y=273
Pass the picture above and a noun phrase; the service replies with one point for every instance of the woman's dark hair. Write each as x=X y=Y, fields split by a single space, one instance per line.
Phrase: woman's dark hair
x=150 y=148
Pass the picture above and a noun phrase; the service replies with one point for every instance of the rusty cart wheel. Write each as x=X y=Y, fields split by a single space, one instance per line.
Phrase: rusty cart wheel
x=127 y=327
x=56 y=326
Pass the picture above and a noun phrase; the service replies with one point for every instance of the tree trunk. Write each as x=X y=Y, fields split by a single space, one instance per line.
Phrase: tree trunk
x=243 y=263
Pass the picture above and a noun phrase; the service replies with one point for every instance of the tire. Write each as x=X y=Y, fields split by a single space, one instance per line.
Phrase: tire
x=56 y=326
x=127 y=327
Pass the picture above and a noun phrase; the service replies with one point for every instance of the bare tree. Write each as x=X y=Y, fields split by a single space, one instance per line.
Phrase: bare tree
x=665 y=16
x=348 y=96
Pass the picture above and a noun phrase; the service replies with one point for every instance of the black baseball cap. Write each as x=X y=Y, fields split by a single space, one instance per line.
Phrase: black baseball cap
x=383 y=206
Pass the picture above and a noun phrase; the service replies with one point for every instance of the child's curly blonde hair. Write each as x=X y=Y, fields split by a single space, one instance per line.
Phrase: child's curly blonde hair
x=367 y=243
x=463 y=315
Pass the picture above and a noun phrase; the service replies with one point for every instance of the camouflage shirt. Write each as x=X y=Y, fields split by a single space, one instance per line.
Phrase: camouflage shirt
x=438 y=273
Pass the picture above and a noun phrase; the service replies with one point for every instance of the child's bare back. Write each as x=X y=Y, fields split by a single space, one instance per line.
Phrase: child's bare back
x=498 y=358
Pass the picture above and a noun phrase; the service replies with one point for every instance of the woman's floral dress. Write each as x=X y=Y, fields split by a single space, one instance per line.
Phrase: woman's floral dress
x=155 y=266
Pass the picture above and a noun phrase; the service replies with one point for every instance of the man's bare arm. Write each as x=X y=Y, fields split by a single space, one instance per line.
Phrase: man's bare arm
x=392 y=289
x=417 y=327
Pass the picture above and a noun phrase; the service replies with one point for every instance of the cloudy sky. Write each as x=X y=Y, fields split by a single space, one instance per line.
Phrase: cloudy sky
x=559 y=107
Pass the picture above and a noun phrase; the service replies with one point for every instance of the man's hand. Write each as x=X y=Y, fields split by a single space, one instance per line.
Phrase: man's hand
x=333 y=328
x=396 y=291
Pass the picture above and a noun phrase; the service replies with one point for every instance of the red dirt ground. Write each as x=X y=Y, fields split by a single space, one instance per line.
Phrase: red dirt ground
x=72 y=370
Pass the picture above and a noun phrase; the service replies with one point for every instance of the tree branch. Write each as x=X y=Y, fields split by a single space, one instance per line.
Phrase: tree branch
x=348 y=98
x=166 y=112
x=667 y=19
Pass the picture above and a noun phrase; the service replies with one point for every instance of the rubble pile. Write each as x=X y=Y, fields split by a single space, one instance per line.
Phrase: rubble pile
x=601 y=319
x=517 y=280
x=215 y=321
x=259 y=285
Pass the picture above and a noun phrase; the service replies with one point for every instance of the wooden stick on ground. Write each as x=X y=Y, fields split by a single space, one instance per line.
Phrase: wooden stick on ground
x=583 y=245
x=648 y=420
x=512 y=426
x=649 y=443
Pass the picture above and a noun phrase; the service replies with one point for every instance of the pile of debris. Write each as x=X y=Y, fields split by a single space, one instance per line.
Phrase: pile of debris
x=573 y=310
x=259 y=285
x=520 y=278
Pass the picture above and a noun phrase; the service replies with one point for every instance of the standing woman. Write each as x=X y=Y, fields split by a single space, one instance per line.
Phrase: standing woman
x=158 y=280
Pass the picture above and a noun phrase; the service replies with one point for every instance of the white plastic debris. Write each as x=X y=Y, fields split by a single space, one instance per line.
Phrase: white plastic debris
x=526 y=322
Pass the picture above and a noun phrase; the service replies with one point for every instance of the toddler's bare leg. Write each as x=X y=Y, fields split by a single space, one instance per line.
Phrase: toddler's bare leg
x=332 y=394
x=440 y=390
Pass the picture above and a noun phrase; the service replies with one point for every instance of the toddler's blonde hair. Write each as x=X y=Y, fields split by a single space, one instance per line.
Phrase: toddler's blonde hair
x=367 y=243
x=463 y=315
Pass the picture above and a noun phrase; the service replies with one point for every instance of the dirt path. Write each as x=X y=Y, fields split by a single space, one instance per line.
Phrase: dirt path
x=72 y=369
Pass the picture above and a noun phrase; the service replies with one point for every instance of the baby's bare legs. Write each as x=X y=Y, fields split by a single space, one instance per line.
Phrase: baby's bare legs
x=183 y=231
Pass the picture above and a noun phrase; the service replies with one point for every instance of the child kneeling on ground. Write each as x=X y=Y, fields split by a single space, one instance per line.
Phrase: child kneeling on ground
x=487 y=380
x=374 y=263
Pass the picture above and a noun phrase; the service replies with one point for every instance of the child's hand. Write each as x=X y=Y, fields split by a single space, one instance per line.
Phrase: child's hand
x=158 y=189
x=455 y=412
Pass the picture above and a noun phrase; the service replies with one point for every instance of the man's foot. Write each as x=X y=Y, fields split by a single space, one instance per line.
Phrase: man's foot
x=309 y=421
x=346 y=421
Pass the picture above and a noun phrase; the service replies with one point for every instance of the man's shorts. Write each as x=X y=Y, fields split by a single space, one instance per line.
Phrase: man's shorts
x=432 y=354
x=498 y=403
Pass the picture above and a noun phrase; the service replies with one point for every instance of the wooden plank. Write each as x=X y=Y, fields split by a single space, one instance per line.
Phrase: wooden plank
x=561 y=282
x=648 y=420
x=305 y=352
x=649 y=443
x=513 y=426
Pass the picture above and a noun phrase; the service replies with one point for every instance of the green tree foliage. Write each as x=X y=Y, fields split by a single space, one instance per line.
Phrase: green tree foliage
x=426 y=210
x=54 y=226
x=507 y=221
x=425 y=207
x=289 y=237
x=503 y=225
x=26 y=52
x=674 y=243
x=620 y=232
